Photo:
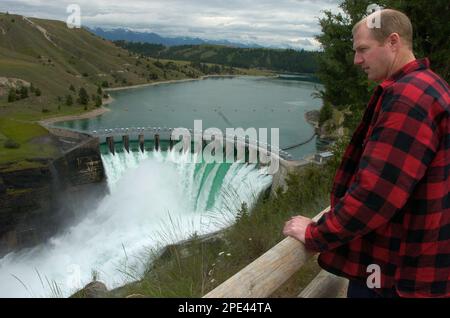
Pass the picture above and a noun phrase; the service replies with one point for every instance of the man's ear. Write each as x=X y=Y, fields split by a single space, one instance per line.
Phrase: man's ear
x=394 y=40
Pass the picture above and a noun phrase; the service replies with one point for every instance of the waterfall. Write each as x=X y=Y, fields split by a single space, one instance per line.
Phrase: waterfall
x=156 y=198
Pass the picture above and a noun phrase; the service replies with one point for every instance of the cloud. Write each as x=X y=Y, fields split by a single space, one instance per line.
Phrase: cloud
x=281 y=23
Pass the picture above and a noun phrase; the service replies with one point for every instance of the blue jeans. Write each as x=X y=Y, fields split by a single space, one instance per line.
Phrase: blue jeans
x=357 y=289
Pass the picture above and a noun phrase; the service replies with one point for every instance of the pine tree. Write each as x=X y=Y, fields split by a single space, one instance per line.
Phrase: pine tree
x=83 y=97
x=98 y=101
x=69 y=100
x=12 y=95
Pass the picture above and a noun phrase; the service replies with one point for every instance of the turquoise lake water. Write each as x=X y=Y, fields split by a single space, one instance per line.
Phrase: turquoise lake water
x=222 y=102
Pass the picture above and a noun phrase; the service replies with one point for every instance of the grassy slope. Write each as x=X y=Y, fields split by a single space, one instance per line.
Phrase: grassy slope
x=52 y=67
x=77 y=52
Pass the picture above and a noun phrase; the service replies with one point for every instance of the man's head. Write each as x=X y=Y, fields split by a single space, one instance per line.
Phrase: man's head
x=380 y=51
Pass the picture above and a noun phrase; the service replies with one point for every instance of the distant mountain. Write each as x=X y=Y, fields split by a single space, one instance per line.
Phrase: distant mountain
x=153 y=38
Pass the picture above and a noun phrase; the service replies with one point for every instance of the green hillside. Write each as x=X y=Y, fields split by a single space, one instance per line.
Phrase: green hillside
x=44 y=64
x=53 y=57
x=280 y=60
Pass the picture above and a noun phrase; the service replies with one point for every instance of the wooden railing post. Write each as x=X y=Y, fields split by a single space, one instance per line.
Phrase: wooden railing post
x=325 y=285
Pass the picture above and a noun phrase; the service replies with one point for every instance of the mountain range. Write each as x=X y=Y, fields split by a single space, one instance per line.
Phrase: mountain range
x=151 y=37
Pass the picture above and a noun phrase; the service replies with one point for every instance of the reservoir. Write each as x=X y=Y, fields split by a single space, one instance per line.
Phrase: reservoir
x=222 y=102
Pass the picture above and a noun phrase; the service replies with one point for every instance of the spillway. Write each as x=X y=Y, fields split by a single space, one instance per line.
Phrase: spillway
x=156 y=198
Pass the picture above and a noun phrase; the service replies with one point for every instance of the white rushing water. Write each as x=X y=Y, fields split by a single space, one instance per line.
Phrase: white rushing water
x=155 y=199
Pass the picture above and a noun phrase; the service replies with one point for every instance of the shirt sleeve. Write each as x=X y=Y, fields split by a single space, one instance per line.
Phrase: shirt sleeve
x=402 y=145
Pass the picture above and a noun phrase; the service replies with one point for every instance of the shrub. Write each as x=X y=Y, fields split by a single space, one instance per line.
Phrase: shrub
x=23 y=92
x=37 y=92
x=326 y=112
x=11 y=144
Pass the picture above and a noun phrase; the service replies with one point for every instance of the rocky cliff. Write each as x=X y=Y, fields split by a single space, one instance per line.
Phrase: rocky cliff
x=331 y=129
x=36 y=202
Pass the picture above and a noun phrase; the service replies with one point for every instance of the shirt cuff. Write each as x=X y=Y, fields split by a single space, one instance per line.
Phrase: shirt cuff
x=309 y=240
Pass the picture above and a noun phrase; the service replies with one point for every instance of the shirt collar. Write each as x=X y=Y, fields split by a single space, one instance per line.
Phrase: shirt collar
x=419 y=64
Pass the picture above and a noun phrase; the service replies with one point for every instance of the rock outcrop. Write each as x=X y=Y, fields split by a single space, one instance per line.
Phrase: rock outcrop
x=94 y=289
x=36 y=202
x=6 y=83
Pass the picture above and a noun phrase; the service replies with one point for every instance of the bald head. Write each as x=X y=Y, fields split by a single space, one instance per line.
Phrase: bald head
x=391 y=21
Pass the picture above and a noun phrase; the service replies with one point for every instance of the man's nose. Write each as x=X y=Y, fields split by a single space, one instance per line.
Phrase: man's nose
x=358 y=60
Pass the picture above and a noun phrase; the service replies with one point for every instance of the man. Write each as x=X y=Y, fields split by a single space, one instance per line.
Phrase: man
x=390 y=202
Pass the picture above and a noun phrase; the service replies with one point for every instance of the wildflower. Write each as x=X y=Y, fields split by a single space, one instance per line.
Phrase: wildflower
x=221 y=253
x=228 y=254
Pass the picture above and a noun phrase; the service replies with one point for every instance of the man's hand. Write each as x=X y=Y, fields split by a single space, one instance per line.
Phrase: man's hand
x=296 y=227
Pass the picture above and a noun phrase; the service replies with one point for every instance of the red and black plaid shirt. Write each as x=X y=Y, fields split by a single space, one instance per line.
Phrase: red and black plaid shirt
x=390 y=203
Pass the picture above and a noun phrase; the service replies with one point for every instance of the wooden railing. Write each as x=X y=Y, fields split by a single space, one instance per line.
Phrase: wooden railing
x=266 y=274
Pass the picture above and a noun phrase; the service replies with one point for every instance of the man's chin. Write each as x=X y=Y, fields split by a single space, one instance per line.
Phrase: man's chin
x=374 y=78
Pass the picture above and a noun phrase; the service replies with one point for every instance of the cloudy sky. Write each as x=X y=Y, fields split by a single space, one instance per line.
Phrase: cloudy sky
x=280 y=23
